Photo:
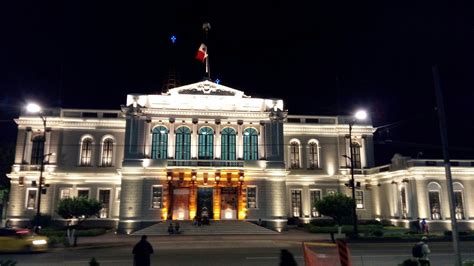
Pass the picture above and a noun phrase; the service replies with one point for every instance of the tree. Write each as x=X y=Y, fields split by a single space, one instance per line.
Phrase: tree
x=77 y=209
x=337 y=206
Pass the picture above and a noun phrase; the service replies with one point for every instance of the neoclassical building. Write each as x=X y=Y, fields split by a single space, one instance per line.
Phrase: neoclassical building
x=205 y=146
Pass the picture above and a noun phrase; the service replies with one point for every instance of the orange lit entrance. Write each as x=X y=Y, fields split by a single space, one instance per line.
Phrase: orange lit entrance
x=190 y=193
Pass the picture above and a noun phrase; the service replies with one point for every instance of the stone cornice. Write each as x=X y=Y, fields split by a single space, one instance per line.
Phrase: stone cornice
x=72 y=123
x=303 y=129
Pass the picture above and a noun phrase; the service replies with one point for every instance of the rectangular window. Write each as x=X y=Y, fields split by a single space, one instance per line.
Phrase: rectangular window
x=435 y=206
x=156 y=197
x=404 y=205
x=30 y=202
x=359 y=199
x=83 y=193
x=315 y=195
x=65 y=193
x=296 y=208
x=104 y=199
x=252 y=197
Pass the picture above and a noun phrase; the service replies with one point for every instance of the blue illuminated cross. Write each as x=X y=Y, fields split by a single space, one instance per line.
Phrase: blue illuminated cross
x=218 y=81
x=173 y=38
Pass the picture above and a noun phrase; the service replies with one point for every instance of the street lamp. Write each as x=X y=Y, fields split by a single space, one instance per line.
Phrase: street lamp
x=359 y=115
x=36 y=109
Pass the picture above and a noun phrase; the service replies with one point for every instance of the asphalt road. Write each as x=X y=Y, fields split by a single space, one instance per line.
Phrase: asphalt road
x=237 y=253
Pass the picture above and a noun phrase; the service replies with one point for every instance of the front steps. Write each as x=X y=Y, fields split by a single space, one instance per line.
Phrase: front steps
x=215 y=228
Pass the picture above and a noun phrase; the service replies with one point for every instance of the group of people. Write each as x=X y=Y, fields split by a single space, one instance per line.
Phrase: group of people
x=421 y=226
x=173 y=230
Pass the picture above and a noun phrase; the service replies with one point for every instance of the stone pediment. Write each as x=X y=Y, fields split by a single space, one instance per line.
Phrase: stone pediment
x=206 y=88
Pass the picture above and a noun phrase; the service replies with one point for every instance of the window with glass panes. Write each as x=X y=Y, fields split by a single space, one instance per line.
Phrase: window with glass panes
x=206 y=143
x=294 y=155
x=156 y=197
x=458 y=203
x=37 y=150
x=356 y=155
x=435 y=206
x=359 y=199
x=104 y=199
x=107 y=152
x=296 y=207
x=31 y=194
x=159 y=143
x=251 y=197
x=83 y=193
x=313 y=155
x=183 y=143
x=250 y=144
x=315 y=195
x=86 y=152
x=228 y=137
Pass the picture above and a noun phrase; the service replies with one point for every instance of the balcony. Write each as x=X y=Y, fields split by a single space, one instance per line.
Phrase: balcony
x=205 y=163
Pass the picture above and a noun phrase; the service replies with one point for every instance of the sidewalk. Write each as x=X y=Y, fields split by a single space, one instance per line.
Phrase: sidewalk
x=290 y=237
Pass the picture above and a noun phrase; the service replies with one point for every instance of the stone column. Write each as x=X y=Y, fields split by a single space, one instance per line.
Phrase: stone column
x=217 y=142
x=261 y=142
x=27 y=146
x=194 y=140
x=171 y=139
x=240 y=140
x=147 y=149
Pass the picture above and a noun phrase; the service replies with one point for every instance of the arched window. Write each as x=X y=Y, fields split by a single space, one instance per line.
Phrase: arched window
x=459 y=200
x=294 y=154
x=434 y=191
x=206 y=143
x=356 y=155
x=37 y=150
x=228 y=144
x=250 y=144
x=86 y=152
x=159 y=143
x=183 y=143
x=313 y=154
x=107 y=151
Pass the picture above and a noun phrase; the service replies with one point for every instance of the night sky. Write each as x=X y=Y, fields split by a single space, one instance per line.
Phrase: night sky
x=327 y=58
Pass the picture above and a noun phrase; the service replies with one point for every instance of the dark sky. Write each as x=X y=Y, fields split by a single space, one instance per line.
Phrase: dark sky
x=323 y=58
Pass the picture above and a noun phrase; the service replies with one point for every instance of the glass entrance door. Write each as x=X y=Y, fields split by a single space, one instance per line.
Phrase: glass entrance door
x=204 y=202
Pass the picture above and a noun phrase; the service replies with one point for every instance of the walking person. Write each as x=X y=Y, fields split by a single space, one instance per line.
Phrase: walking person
x=141 y=252
x=424 y=226
x=421 y=250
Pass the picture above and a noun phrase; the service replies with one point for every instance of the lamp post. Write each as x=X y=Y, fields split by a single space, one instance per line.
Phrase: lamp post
x=34 y=108
x=359 y=115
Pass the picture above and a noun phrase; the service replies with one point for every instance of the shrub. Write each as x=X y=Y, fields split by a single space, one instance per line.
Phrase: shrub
x=93 y=262
x=450 y=233
x=44 y=220
x=323 y=222
x=369 y=222
x=377 y=233
x=386 y=223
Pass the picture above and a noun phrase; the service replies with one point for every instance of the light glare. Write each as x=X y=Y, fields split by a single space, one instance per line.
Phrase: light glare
x=361 y=115
x=33 y=108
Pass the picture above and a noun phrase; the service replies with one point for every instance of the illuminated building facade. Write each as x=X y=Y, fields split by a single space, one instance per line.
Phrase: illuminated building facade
x=205 y=148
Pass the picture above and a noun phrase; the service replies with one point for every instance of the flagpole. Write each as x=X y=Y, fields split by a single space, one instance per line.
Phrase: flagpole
x=206 y=27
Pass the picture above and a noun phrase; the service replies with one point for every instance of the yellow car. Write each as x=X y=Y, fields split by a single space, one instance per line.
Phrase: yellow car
x=21 y=240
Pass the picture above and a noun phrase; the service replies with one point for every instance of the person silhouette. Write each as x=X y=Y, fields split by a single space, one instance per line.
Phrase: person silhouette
x=142 y=251
x=286 y=258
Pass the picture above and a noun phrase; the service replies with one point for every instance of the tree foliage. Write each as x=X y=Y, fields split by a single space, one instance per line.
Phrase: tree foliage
x=337 y=206
x=78 y=208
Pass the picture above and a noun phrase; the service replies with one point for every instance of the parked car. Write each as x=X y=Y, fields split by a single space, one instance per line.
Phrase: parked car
x=21 y=240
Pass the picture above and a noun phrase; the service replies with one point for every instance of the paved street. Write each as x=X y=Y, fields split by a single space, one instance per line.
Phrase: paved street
x=232 y=252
